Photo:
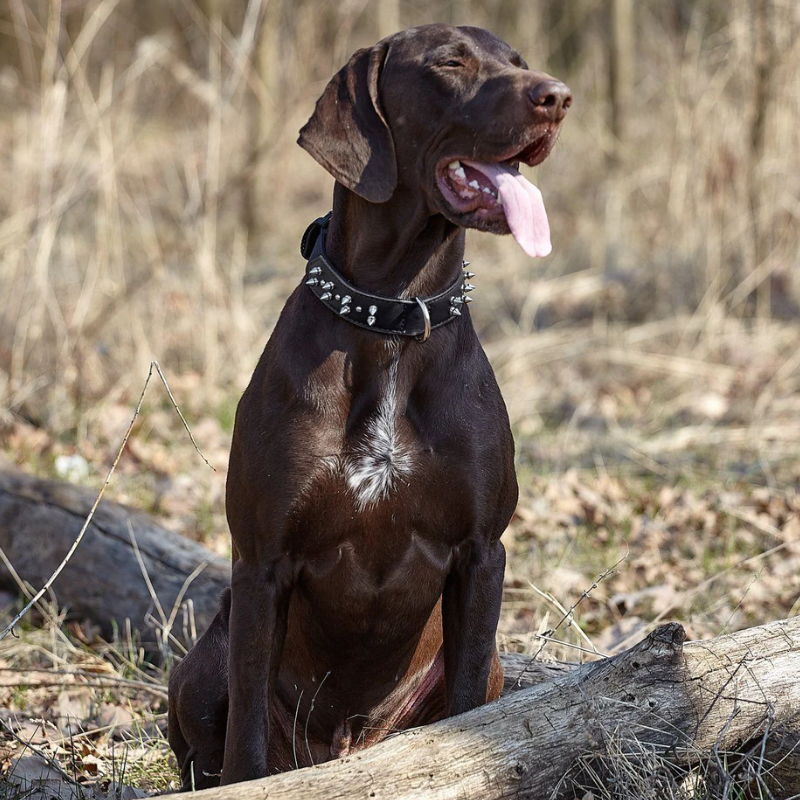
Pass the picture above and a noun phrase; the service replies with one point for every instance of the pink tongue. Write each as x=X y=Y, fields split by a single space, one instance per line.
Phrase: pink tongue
x=523 y=207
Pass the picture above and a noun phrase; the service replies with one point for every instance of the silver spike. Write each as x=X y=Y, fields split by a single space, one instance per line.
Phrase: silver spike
x=457 y=300
x=469 y=275
x=358 y=308
x=344 y=310
x=315 y=271
x=373 y=310
x=346 y=299
x=467 y=298
x=370 y=320
x=467 y=287
x=312 y=282
x=454 y=311
x=328 y=285
x=465 y=264
x=326 y=296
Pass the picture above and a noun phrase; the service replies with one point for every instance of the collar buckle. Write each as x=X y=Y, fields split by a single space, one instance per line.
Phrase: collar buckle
x=426 y=317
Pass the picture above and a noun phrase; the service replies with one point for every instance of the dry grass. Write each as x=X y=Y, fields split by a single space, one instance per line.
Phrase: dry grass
x=629 y=769
x=80 y=717
x=128 y=230
x=152 y=203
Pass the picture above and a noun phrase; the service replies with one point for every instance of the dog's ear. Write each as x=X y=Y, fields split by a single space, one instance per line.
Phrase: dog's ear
x=347 y=132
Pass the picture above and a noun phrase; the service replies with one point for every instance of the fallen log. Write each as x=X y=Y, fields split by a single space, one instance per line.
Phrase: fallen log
x=105 y=580
x=656 y=704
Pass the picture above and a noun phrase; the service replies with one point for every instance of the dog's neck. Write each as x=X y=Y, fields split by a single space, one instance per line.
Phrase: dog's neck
x=394 y=249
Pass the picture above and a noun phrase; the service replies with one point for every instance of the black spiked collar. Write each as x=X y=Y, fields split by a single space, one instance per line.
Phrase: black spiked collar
x=389 y=315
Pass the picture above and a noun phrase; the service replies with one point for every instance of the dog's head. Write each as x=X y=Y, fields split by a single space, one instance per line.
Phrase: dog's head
x=448 y=113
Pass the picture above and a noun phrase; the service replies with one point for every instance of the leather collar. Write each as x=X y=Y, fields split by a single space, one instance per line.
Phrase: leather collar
x=389 y=315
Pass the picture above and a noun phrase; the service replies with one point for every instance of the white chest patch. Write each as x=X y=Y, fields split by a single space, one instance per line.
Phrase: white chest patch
x=379 y=459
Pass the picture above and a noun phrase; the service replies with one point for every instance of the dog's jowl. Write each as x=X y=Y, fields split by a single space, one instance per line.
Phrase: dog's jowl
x=372 y=466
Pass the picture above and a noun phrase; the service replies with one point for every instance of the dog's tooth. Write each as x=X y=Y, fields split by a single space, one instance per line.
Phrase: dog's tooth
x=499 y=200
x=454 y=165
x=326 y=296
x=474 y=184
x=370 y=320
x=487 y=190
x=459 y=173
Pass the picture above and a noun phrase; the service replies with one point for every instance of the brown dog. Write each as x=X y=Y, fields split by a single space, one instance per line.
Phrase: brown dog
x=372 y=466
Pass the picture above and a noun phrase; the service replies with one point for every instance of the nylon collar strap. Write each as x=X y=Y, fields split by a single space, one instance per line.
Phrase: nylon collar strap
x=390 y=315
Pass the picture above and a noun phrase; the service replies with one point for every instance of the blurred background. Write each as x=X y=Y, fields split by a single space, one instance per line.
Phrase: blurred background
x=153 y=198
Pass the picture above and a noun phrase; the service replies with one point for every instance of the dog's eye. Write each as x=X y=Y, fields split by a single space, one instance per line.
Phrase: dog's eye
x=453 y=63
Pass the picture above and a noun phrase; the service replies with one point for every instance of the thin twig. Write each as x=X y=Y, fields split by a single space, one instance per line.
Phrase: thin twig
x=96 y=681
x=546 y=637
x=703 y=586
x=38 y=596
x=294 y=730
x=179 y=599
x=50 y=618
x=164 y=626
x=155 y=365
x=308 y=716
x=145 y=574
x=88 y=734
x=51 y=762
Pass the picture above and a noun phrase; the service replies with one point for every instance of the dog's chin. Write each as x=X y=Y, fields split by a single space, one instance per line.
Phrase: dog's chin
x=487 y=220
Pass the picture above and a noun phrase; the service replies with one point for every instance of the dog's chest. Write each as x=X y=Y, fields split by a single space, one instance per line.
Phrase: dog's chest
x=386 y=461
x=379 y=459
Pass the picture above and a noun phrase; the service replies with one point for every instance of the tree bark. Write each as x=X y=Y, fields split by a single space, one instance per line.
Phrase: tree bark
x=39 y=520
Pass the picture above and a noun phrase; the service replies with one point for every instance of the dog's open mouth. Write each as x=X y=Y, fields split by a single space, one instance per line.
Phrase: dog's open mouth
x=495 y=190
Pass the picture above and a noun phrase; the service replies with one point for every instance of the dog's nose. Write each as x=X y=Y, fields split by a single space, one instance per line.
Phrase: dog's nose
x=551 y=98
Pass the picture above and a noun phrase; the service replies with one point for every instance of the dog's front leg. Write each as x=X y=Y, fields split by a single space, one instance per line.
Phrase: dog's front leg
x=259 y=610
x=471 y=602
